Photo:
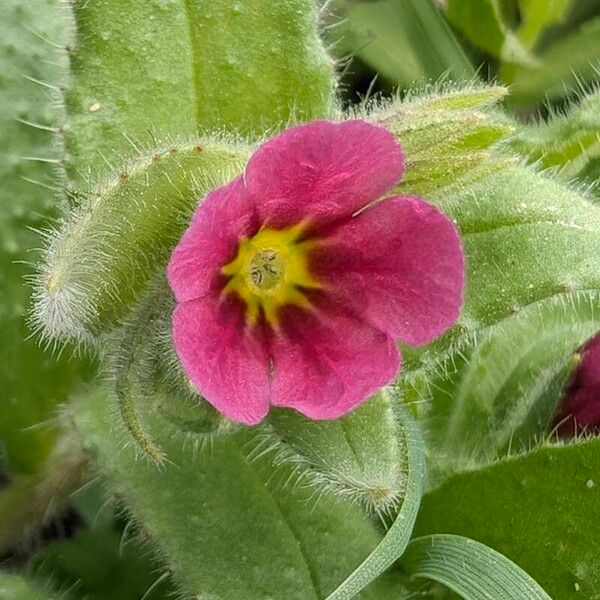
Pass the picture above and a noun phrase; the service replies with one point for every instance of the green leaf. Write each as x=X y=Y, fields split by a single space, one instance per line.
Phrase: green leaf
x=109 y=249
x=536 y=16
x=33 y=382
x=472 y=570
x=481 y=21
x=406 y=41
x=568 y=143
x=360 y=456
x=562 y=67
x=541 y=510
x=526 y=238
x=16 y=587
x=497 y=391
x=533 y=256
x=150 y=70
x=102 y=563
x=447 y=136
x=225 y=505
x=397 y=537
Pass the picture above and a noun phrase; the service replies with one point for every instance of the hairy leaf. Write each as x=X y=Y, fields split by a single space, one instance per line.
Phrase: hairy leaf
x=360 y=456
x=149 y=70
x=226 y=507
x=107 y=251
x=569 y=144
x=533 y=256
x=32 y=381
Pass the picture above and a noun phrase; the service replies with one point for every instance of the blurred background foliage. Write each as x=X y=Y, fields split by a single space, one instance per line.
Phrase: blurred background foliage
x=62 y=527
x=547 y=51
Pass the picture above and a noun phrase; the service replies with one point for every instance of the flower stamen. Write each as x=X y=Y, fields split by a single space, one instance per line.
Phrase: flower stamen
x=266 y=271
x=270 y=271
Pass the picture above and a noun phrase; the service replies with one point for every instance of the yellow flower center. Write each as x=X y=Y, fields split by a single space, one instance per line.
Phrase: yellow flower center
x=269 y=271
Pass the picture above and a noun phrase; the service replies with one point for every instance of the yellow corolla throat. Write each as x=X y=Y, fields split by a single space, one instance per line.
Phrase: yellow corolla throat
x=270 y=271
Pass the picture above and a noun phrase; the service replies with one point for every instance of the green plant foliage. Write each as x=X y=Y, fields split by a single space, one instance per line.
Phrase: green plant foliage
x=561 y=66
x=471 y=569
x=15 y=587
x=109 y=248
x=166 y=101
x=541 y=510
x=498 y=390
x=26 y=400
x=569 y=143
x=396 y=539
x=31 y=500
x=42 y=464
x=100 y=564
x=527 y=237
x=360 y=457
x=148 y=69
x=406 y=41
x=531 y=300
x=447 y=136
x=481 y=21
x=230 y=507
x=536 y=16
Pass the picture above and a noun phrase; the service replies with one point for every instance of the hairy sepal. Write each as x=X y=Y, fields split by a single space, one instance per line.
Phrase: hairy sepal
x=103 y=255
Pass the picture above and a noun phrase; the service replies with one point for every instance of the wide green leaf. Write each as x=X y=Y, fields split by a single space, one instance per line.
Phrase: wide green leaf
x=144 y=70
x=541 y=510
x=226 y=504
x=32 y=381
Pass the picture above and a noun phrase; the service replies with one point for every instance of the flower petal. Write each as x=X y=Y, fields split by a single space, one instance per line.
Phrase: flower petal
x=580 y=408
x=322 y=171
x=328 y=362
x=226 y=215
x=580 y=413
x=400 y=264
x=228 y=364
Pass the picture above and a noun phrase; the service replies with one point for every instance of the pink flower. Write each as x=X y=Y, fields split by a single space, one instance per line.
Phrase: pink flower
x=292 y=288
x=580 y=409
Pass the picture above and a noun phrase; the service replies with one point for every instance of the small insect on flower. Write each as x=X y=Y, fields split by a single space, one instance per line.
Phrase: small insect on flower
x=295 y=280
x=580 y=409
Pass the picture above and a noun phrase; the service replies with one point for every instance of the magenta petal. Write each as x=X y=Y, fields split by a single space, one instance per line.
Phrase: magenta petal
x=226 y=215
x=228 y=365
x=400 y=264
x=329 y=362
x=588 y=373
x=580 y=413
x=321 y=171
x=580 y=409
